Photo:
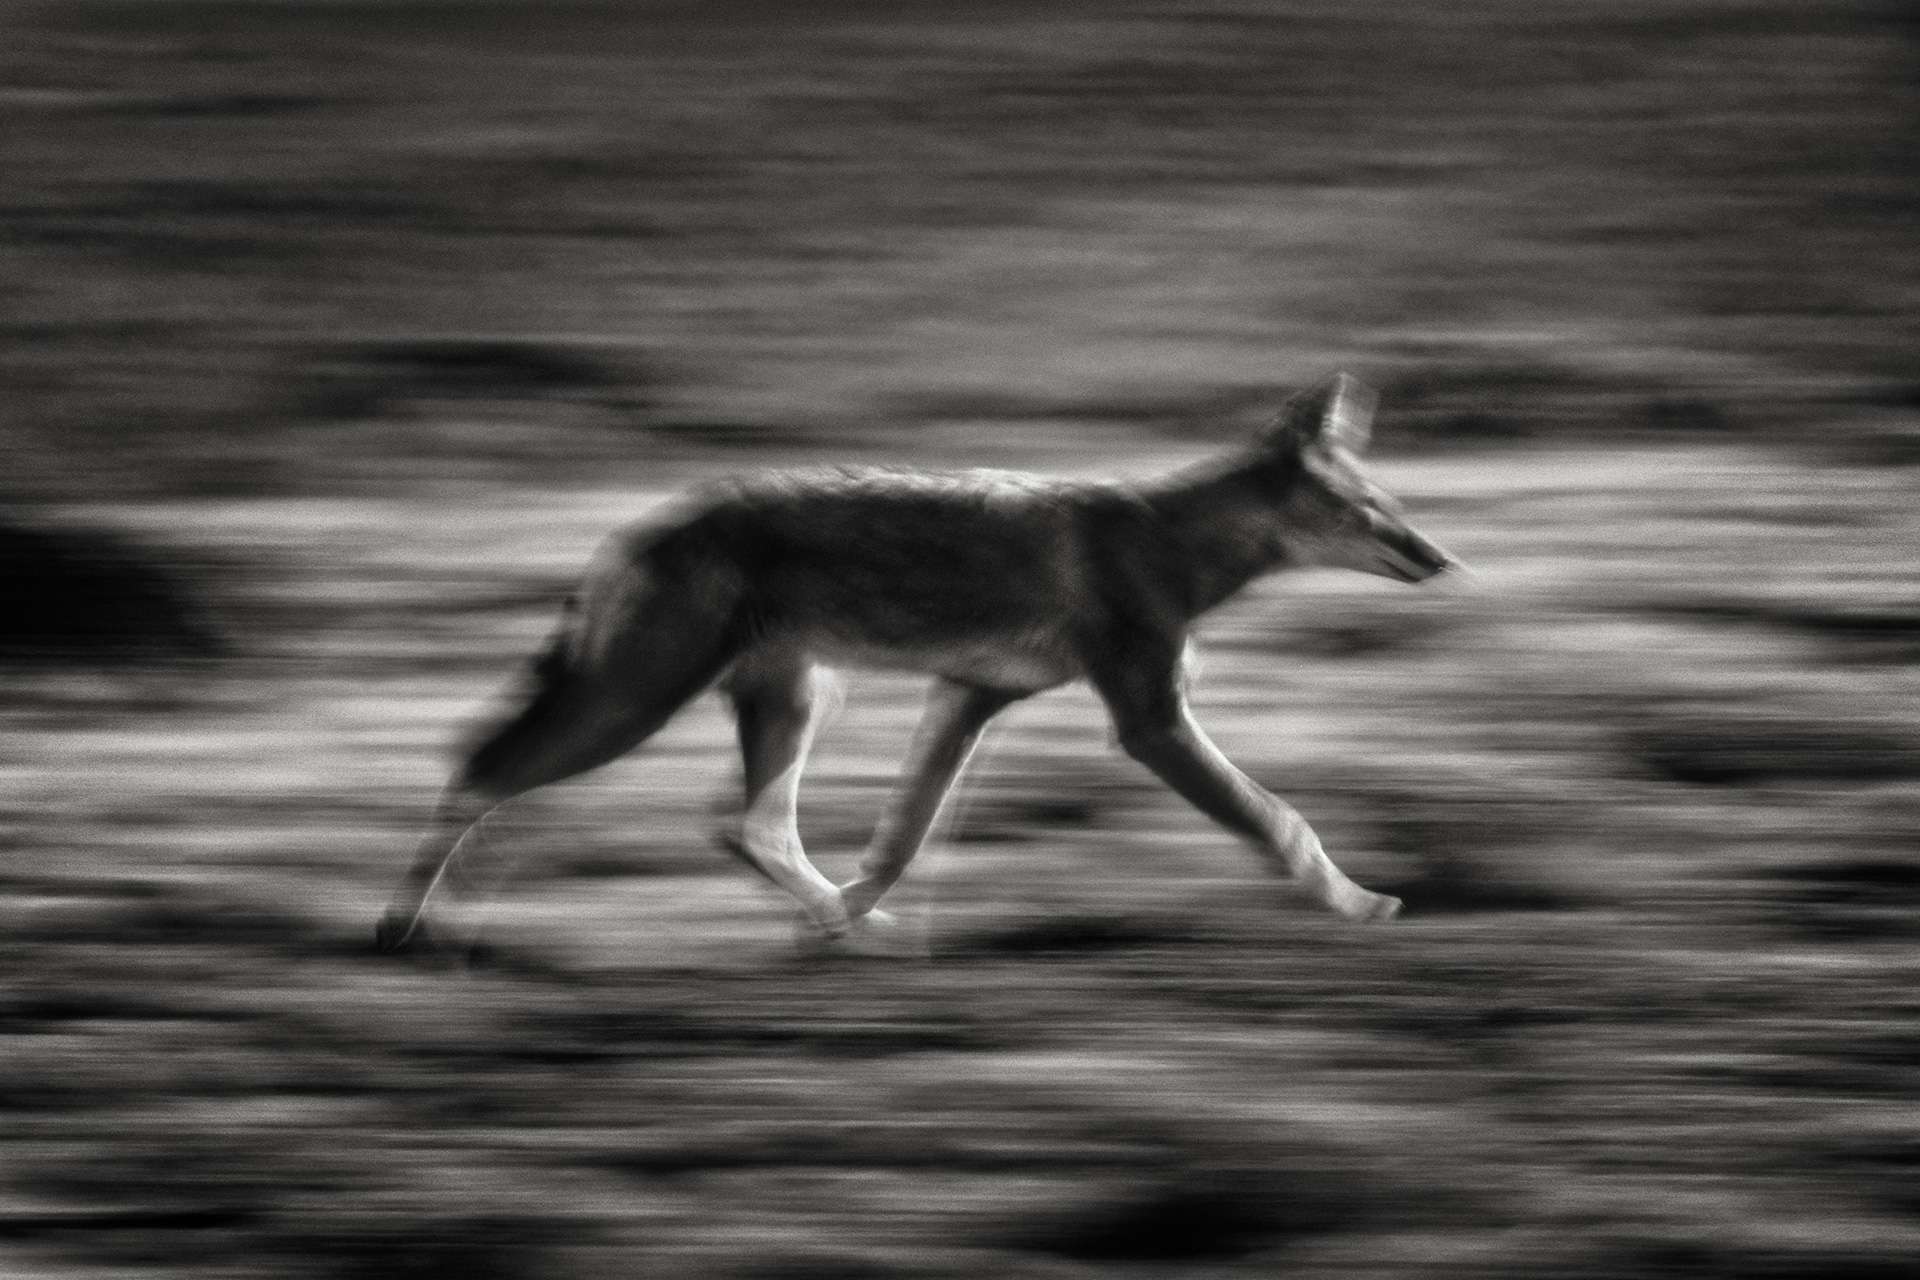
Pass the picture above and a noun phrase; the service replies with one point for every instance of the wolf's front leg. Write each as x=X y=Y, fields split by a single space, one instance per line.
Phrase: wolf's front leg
x=1188 y=762
x=1157 y=728
x=948 y=733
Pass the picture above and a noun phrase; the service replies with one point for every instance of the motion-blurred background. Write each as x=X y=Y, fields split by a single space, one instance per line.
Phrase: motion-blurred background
x=334 y=335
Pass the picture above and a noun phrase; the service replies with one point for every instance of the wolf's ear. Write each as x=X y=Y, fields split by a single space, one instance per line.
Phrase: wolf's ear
x=1338 y=410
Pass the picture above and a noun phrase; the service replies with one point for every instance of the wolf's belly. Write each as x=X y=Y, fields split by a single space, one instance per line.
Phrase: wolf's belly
x=1024 y=663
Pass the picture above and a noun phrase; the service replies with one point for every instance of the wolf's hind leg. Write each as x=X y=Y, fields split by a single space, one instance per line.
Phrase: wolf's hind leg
x=777 y=704
x=454 y=822
x=591 y=703
x=572 y=725
x=949 y=731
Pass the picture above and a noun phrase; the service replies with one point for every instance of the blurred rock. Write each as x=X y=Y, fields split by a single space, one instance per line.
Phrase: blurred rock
x=81 y=595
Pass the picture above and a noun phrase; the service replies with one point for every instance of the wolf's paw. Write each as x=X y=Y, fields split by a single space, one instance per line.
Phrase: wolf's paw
x=1380 y=910
x=1364 y=907
x=883 y=933
x=395 y=932
x=858 y=896
x=875 y=933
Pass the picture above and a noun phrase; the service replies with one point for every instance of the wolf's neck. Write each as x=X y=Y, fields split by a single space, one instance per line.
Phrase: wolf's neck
x=1222 y=520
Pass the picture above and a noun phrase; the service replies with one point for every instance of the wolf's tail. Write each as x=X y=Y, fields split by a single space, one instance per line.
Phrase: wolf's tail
x=641 y=637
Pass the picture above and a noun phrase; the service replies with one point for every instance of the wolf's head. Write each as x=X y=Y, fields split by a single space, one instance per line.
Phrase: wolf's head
x=1332 y=513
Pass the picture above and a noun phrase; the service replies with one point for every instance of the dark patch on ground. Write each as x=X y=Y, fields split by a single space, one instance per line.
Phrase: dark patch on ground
x=1708 y=748
x=75 y=595
x=1070 y=934
x=1860 y=635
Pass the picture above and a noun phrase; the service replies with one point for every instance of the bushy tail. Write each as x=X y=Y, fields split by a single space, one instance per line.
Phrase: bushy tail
x=634 y=644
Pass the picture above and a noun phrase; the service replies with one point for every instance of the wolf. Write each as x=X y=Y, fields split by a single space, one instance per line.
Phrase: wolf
x=998 y=585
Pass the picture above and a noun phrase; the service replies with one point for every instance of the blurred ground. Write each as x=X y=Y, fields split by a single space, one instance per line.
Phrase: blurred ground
x=337 y=334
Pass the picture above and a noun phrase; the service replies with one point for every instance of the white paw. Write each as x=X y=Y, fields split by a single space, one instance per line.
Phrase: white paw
x=1346 y=899
x=876 y=933
x=886 y=934
x=1365 y=907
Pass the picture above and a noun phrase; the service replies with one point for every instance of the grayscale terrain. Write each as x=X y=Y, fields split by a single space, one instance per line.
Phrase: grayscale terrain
x=336 y=335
